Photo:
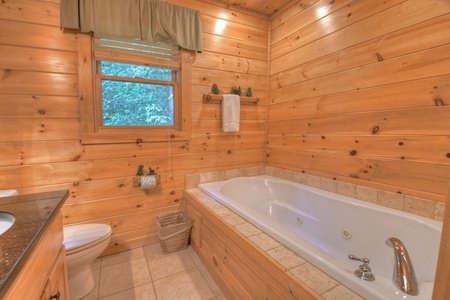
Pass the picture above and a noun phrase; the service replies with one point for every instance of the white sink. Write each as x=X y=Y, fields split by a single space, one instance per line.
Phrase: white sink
x=6 y=221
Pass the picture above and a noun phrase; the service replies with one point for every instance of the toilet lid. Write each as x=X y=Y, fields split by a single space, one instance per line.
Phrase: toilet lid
x=77 y=236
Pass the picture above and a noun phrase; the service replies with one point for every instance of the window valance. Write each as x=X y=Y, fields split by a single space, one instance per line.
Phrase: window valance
x=147 y=20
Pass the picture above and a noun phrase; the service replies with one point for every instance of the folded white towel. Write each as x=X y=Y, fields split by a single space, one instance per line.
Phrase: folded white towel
x=231 y=110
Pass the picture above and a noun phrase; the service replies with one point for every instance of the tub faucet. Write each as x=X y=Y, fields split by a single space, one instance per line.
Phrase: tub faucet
x=403 y=277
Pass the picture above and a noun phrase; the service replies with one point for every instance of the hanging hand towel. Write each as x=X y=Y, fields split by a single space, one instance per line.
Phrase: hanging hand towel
x=231 y=110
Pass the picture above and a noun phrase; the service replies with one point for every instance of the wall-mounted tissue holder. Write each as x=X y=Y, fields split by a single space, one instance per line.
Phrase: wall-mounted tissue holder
x=137 y=179
x=146 y=182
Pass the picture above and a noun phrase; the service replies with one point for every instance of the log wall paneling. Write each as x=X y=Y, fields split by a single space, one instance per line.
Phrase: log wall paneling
x=40 y=146
x=361 y=93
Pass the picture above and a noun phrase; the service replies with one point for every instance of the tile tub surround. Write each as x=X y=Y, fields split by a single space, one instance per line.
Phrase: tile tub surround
x=413 y=205
x=288 y=261
x=312 y=276
x=33 y=212
x=147 y=273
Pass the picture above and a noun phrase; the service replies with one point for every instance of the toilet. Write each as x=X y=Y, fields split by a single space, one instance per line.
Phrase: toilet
x=84 y=243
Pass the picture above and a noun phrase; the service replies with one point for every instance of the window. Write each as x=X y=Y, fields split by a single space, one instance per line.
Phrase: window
x=132 y=91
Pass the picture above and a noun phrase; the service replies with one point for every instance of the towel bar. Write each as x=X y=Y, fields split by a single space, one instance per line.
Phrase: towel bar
x=211 y=98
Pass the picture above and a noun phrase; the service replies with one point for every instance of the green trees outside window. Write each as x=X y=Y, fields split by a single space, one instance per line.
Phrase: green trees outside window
x=136 y=95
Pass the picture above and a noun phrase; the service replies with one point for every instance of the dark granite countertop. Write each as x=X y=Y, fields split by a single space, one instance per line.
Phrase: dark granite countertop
x=33 y=213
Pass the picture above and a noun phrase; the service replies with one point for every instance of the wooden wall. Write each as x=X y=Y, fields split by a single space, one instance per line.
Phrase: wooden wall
x=360 y=92
x=40 y=147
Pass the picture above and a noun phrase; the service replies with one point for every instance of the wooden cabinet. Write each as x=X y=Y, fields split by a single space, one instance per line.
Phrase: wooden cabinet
x=43 y=274
x=57 y=286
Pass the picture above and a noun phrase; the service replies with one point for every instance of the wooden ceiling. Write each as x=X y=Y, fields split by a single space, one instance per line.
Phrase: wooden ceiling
x=266 y=7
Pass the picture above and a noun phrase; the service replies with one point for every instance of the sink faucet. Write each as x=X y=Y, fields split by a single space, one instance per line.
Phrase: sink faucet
x=403 y=277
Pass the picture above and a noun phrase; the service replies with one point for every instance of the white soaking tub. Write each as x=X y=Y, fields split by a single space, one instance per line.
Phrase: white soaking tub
x=325 y=227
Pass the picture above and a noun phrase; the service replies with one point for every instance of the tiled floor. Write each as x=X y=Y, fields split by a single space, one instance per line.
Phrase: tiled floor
x=147 y=273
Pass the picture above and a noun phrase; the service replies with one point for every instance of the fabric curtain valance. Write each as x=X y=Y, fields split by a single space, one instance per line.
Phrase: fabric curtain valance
x=147 y=20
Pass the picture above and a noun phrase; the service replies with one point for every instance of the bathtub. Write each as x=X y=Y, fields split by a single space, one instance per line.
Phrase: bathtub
x=324 y=228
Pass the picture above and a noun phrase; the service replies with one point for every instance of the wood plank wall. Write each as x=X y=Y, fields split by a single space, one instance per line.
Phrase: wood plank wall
x=40 y=147
x=360 y=92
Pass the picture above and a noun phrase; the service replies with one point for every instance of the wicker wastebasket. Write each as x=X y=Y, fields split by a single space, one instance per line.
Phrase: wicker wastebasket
x=173 y=231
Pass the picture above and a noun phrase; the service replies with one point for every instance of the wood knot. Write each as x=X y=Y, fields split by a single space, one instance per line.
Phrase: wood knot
x=375 y=129
x=353 y=152
x=172 y=136
x=400 y=143
x=439 y=102
x=172 y=192
x=448 y=155
x=42 y=112
x=138 y=140
x=138 y=206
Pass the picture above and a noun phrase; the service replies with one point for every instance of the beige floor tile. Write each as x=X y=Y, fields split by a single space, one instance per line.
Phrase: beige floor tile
x=187 y=285
x=154 y=252
x=141 y=292
x=210 y=280
x=172 y=263
x=194 y=256
x=123 y=276
x=122 y=257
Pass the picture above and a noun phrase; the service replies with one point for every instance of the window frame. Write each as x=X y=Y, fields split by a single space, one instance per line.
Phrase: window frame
x=92 y=131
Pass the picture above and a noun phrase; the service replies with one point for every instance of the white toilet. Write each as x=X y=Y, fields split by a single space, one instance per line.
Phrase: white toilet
x=84 y=243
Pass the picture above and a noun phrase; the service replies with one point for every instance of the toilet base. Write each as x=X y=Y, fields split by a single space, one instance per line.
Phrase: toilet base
x=81 y=283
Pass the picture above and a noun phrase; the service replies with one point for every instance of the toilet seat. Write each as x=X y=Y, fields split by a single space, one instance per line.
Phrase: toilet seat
x=80 y=237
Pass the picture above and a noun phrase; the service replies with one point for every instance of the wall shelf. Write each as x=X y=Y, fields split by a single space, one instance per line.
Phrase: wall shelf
x=212 y=98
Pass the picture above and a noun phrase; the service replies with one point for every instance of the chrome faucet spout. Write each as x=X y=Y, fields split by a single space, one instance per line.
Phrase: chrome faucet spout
x=403 y=277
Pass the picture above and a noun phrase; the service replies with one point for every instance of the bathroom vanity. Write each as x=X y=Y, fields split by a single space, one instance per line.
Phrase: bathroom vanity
x=32 y=255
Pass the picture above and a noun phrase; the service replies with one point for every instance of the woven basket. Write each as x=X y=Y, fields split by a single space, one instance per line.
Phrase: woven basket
x=173 y=231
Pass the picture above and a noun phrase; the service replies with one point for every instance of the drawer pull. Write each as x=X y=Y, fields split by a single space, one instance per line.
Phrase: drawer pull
x=55 y=296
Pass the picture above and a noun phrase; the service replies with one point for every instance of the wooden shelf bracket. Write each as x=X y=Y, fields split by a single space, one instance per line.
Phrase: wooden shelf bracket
x=211 y=98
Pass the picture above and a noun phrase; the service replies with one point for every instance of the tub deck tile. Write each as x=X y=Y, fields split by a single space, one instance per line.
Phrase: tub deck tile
x=264 y=241
x=248 y=229
x=314 y=278
x=286 y=257
x=341 y=292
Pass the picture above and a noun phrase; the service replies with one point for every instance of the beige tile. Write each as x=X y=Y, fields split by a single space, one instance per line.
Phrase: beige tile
x=206 y=177
x=254 y=171
x=286 y=257
x=264 y=241
x=192 y=180
x=341 y=293
x=419 y=206
x=389 y=199
x=314 y=278
x=154 y=252
x=366 y=194
x=210 y=280
x=328 y=185
x=247 y=229
x=346 y=189
x=229 y=174
x=123 y=276
x=439 y=211
x=187 y=285
x=218 y=176
x=313 y=181
x=171 y=264
x=141 y=292
x=122 y=257
x=234 y=220
x=222 y=211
